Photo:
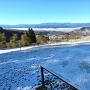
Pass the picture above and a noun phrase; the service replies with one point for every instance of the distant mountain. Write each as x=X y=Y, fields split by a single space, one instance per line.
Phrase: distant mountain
x=83 y=31
x=48 y=25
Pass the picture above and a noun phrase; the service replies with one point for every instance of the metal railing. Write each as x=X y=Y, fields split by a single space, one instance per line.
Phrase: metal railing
x=52 y=81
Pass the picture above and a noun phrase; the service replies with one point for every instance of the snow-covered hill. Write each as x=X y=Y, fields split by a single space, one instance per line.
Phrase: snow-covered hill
x=19 y=70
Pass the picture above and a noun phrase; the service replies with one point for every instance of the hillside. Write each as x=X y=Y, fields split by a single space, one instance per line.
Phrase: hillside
x=9 y=33
x=81 y=34
x=20 y=67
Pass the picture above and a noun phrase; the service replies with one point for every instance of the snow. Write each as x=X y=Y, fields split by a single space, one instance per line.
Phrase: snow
x=20 y=68
x=30 y=47
x=16 y=49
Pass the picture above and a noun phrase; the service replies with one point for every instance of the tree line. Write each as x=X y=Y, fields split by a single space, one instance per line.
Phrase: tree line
x=27 y=38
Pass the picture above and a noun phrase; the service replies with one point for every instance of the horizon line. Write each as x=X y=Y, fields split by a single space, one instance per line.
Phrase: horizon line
x=47 y=22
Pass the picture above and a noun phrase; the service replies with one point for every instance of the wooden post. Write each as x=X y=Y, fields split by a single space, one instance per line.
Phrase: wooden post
x=42 y=75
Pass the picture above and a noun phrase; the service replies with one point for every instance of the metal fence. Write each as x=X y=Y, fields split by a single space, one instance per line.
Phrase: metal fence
x=53 y=82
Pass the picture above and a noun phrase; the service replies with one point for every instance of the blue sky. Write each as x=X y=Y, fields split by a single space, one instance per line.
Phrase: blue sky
x=43 y=11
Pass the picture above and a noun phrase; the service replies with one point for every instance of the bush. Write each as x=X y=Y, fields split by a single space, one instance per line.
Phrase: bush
x=41 y=39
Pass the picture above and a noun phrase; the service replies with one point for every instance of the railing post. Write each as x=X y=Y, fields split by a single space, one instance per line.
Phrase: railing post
x=42 y=75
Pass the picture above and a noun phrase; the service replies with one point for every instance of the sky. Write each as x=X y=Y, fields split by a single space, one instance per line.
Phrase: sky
x=44 y=11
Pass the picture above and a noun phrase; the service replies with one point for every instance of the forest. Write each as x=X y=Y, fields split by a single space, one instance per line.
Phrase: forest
x=13 y=38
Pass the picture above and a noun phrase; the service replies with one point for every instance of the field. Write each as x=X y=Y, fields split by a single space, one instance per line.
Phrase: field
x=20 y=68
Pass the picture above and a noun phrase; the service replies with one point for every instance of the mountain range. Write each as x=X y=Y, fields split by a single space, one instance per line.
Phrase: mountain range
x=47 y=25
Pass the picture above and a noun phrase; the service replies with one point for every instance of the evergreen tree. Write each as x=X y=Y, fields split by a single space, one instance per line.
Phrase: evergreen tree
x=31 y=35
x=1 y=28
x=14 y=40
x=25 y=40
x=2 y=40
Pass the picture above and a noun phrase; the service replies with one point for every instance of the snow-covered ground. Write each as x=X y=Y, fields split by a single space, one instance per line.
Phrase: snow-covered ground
x=19 y=69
